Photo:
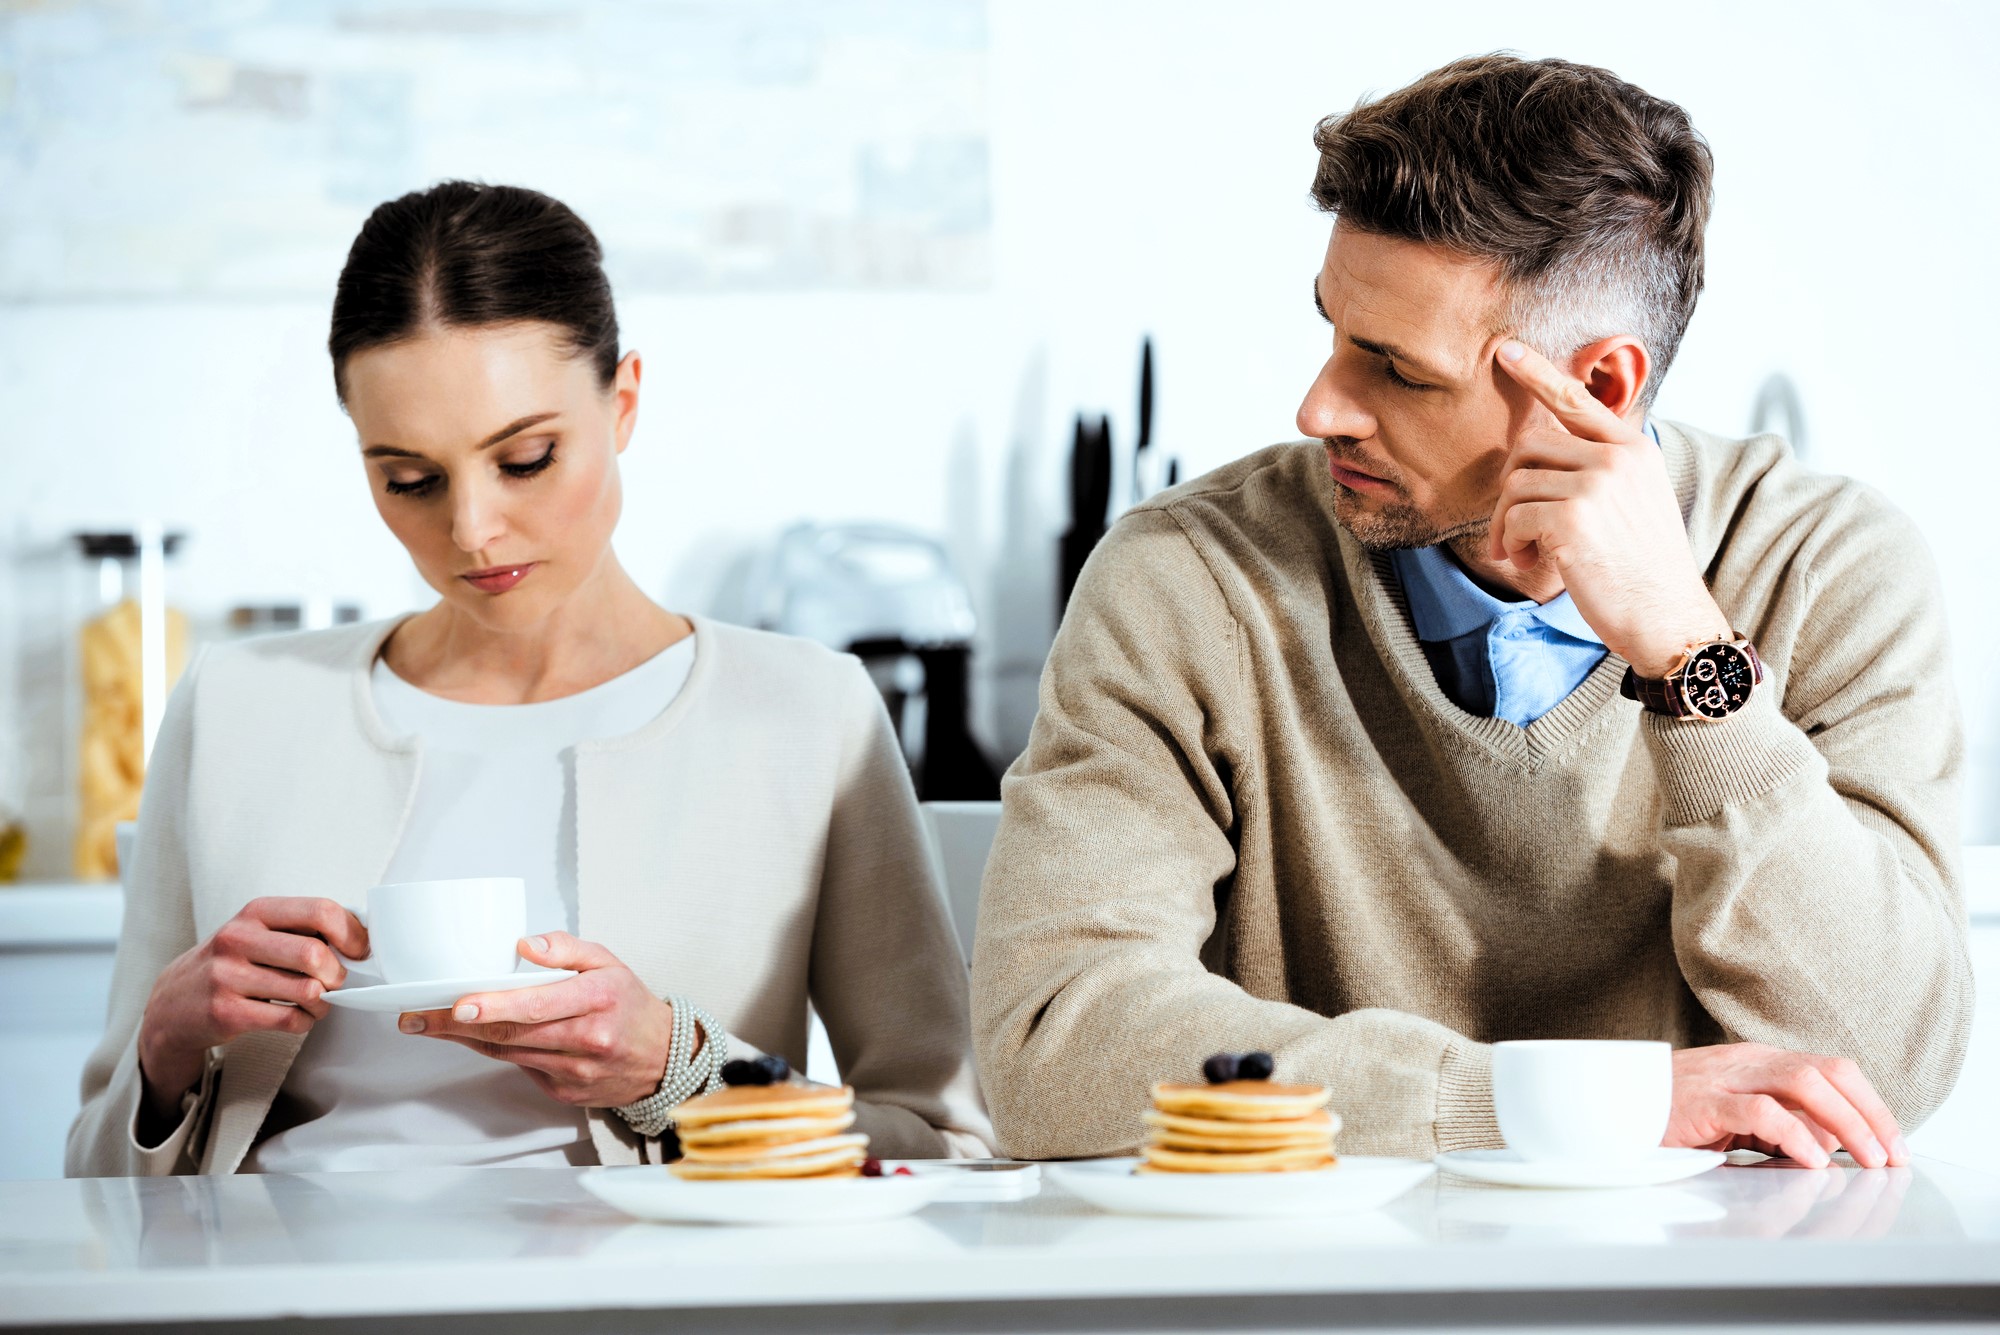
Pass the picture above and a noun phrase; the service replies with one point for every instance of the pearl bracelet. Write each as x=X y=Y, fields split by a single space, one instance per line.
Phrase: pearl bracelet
x=686 y=1075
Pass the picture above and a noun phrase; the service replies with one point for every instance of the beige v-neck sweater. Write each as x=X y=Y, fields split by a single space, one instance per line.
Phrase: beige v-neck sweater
x=755 y=847
x=1248 y=818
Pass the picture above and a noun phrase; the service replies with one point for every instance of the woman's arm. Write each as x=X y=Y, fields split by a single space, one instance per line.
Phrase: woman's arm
x=106 y=1139
x=887 y=977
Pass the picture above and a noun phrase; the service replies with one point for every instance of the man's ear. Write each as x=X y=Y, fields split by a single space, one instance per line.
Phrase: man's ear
x=1617 y=370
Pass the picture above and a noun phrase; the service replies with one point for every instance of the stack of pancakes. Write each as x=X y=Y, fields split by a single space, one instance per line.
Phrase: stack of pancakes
x=1239 y=1126
x=769 y=1131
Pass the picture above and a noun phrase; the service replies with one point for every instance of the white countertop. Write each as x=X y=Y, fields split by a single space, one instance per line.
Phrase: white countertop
x=493 y=1241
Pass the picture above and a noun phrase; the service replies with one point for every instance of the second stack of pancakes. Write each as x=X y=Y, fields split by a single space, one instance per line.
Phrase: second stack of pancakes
x=1239 y=1126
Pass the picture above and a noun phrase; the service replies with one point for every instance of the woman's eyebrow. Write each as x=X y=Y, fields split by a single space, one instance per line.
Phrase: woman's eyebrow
x=511 y=429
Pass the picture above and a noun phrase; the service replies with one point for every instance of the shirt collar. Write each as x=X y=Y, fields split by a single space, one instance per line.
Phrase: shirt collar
x=1445 y=603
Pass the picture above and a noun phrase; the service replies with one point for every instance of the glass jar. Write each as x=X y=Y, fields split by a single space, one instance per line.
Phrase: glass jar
x=129 y=647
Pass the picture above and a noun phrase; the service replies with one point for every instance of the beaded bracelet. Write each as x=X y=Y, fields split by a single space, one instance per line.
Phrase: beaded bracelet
x=686 y=1075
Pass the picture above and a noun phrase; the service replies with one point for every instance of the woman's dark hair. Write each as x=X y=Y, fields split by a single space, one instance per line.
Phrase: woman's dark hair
x=464 y=254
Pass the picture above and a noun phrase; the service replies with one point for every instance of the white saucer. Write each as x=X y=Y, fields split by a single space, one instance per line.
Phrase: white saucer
x=1356 y=1183
x=438 y=993
x=1508 y=1169
x=648 y=1191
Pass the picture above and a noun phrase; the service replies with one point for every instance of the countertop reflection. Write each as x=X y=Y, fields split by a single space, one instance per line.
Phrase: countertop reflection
x=525 y=1240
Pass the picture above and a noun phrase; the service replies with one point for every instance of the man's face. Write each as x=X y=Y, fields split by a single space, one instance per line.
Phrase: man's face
x=1411 y=406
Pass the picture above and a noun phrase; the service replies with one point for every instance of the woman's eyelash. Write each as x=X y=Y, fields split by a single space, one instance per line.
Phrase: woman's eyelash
x=423 y=486
x=531 y=468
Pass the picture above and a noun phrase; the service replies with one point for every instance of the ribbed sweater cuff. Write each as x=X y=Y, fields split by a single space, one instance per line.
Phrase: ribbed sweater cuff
x=1465 y=1118
x=1707 y=767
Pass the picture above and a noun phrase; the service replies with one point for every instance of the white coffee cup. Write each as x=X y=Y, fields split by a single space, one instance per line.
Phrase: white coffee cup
x=470 y=927
x=1574 y=1099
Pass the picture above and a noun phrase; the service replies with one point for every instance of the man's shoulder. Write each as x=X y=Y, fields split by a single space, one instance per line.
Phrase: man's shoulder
x=1271 y=507
x=1756 y=502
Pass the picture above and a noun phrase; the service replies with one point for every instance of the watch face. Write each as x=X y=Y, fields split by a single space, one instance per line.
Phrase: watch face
x=1717 y=680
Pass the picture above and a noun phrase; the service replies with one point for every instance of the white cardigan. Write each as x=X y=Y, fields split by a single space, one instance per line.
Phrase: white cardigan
x=754 y=847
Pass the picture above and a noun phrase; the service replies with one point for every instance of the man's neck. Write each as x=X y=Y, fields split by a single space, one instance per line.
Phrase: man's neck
x=1503 y=579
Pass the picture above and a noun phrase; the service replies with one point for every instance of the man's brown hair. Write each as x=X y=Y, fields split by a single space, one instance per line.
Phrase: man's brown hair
x=1588 y=194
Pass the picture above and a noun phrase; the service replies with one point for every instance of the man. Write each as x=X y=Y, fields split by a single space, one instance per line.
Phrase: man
x=1333 y=758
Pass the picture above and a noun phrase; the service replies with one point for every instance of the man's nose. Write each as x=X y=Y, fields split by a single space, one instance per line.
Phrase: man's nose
x=1329 y=411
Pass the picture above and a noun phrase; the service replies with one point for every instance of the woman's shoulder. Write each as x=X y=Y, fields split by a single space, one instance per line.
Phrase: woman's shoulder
x=771 y=666
x=295 y=671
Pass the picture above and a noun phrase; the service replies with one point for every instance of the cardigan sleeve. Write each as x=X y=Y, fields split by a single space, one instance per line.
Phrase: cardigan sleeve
x=887 y=976
x=158 y=926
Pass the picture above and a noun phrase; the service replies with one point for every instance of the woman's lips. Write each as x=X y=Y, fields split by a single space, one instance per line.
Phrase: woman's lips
x=498 y=579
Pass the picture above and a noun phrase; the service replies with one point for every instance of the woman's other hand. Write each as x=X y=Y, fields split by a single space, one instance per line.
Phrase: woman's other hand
x=598 y=1040
x=274 y=950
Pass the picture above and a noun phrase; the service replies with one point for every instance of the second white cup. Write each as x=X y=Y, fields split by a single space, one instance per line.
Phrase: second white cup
x=1572 y=1099
x=468 y=927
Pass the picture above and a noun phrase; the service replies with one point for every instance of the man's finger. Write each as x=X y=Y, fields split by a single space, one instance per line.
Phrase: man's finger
x=1818 y=1099
x=1568 y=398
x=1764 y=1117
x=1846 y=1077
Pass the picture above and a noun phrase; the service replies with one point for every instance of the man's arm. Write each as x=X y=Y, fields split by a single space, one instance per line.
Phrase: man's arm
x=1090 y=972
x=1815 y=833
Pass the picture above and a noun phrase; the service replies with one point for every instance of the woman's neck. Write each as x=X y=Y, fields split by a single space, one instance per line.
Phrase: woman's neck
x=603 y=630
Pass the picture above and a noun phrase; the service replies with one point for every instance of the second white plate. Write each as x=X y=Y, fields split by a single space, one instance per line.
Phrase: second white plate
x=1507 y=1169
x=438 y=993
x=1356 y=1183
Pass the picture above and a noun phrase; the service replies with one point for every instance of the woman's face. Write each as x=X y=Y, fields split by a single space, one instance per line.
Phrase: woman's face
x=492 y=453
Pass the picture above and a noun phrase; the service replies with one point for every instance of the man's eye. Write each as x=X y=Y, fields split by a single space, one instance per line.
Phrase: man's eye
x=1396 y=378
x=418 y=487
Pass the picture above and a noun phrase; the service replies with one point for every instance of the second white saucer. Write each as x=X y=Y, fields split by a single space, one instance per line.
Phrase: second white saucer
x=438 y=993
x=1506 y=1168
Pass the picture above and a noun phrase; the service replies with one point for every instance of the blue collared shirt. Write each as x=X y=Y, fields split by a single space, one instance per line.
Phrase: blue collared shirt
x=1497 y=659
x=1515 y=661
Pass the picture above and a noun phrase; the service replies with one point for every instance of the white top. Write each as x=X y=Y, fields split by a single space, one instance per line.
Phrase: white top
x=496 y=796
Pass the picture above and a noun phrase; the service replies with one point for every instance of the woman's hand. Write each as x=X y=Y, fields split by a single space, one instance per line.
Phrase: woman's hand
x=598 y=1040
x=273 y=950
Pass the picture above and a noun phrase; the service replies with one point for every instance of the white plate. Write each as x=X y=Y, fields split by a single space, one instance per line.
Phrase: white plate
x=976 y=1179
x=648 y=1191
x=1507 y=1169
x=1357 y=1182
x=438 y=992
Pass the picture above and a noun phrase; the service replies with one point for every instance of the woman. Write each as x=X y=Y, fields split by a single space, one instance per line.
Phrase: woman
x=714 y=823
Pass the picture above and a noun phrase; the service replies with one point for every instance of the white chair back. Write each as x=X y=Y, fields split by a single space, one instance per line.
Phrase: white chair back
x=961 y=835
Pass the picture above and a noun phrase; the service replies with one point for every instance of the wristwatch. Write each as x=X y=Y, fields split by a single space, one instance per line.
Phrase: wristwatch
x=1711 y=680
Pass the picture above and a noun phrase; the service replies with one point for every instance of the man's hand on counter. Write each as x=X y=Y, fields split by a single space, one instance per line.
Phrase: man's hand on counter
x=1747 y=1096
x=269 y=967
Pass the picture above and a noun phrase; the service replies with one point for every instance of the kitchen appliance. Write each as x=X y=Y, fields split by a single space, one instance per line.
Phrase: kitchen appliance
x=889 y=596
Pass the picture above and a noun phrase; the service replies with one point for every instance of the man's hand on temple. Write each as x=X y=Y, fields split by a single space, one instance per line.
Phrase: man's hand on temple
x=1587 y=493
x=1746 y=1096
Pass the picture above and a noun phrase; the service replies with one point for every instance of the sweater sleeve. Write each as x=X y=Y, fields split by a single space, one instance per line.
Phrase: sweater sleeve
x=158 y=926
x=1091 y=976
x=887 y=976
x=1816 y=904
